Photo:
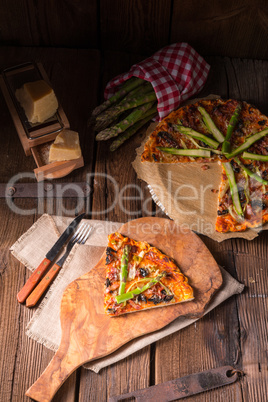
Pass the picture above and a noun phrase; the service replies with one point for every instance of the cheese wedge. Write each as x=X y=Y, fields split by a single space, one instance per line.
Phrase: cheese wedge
x=65 y=147
x=38 y=100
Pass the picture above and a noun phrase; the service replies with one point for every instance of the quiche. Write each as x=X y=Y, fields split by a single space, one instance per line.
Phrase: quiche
x=232 y=133
x=139 y=277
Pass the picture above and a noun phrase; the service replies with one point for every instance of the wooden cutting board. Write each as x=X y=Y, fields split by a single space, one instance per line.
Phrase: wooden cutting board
x=88 y=333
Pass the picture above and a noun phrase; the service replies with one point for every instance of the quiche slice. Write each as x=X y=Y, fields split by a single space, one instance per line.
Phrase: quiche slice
x=140 y=277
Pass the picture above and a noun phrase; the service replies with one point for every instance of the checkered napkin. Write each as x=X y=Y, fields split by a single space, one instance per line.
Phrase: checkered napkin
x=176 y=72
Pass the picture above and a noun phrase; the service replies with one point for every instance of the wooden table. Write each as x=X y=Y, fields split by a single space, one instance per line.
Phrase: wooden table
x=235 y=333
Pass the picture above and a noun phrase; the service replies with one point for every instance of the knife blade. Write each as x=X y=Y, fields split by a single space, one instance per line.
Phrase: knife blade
x=49 y=257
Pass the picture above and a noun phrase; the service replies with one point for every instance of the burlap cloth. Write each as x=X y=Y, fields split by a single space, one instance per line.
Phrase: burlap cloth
x=44 y=327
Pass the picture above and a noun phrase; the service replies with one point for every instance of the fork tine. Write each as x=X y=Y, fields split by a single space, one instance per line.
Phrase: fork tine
x=86 y=235
x=78 y=231
x=81 y=234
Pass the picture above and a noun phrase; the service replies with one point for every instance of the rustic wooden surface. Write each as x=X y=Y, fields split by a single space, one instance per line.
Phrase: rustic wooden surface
x=231 y=28
x=234 y=333
x=82 y=303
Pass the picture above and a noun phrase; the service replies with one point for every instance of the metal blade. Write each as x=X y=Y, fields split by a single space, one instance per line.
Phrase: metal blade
x=64 y=237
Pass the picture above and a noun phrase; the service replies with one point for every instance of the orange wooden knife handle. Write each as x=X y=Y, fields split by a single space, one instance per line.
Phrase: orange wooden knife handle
x=33 y=280
x=42 y=286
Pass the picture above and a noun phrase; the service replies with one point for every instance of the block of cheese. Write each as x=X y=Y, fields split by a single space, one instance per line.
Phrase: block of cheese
x=38 y=101
x=65 y=147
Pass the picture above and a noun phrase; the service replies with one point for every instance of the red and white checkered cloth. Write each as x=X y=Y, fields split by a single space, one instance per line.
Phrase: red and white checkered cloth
x=176 y=72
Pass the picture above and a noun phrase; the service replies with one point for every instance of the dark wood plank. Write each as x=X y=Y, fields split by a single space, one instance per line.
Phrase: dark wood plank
x=125 y=376
x=246 y=79
x=61 y=23
x=135 y=26
x=11 y=318
x=22 y=359
x=209 y=343
x=18 y=17
x=126 y=197
x=216 y=83
x=233 y=29
x=253 y=310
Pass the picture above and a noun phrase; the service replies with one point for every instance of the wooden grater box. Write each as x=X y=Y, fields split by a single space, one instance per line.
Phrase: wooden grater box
x=36 y=138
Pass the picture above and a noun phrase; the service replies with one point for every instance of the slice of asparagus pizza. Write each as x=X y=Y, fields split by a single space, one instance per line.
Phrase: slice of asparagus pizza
x=139 y=277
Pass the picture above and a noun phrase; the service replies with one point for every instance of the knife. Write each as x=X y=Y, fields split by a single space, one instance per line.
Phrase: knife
x=52 y=253
x=80 y=237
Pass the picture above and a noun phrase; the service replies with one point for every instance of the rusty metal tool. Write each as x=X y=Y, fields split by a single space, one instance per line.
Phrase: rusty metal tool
x=182 y=387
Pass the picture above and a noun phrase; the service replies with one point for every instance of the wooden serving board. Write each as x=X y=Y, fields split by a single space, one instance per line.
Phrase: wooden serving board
x=88 y=333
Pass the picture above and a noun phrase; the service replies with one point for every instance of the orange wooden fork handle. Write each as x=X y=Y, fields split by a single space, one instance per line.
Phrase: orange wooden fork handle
x=33 y=280
x=42 y=286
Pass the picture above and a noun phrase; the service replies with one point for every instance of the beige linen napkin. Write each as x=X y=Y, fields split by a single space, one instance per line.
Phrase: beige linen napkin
x=44 y=327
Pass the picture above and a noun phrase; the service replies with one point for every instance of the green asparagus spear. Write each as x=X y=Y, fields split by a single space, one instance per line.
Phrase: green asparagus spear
x=144 y=88
x=250 y=173
x=141 y=89
x=209 y=123
x=249 y=141
x=133 y=129
x=124 y=270
x=97 y=120
x=255 y=157
x=198 y=153
x=233 y=188
x=105 y=119
x=132 y=118
x=130 y=295
x=125 y=88
x=226 y=146
x=195 y=134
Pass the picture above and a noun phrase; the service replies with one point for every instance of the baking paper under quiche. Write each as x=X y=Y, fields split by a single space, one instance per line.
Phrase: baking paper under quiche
x=229 y=132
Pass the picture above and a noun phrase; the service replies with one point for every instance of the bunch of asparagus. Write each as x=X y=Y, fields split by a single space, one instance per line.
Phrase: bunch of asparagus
x=122 y=115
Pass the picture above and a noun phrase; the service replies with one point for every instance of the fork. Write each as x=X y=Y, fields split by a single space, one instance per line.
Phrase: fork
x=81 y=235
